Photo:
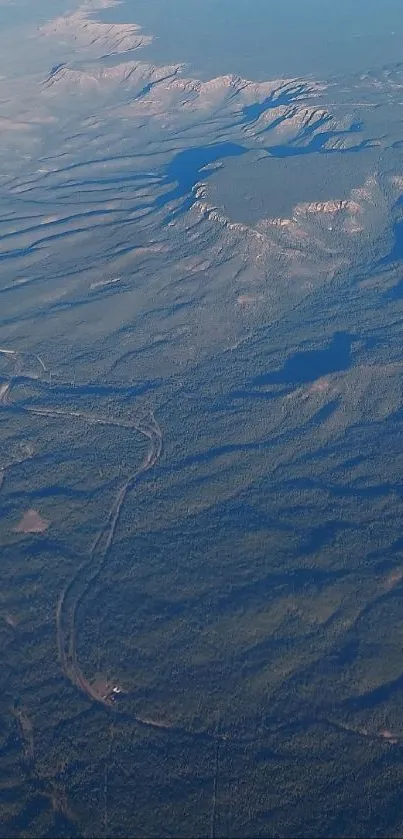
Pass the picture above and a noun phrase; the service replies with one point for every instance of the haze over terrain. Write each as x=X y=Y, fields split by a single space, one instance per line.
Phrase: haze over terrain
x=201 y=418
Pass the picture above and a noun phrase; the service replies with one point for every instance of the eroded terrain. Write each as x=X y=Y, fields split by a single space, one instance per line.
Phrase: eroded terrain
x=200 y=448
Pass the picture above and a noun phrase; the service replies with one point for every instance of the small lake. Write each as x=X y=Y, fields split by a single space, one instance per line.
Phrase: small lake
x=304 y=367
